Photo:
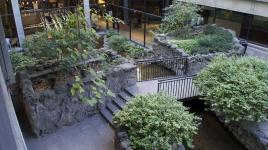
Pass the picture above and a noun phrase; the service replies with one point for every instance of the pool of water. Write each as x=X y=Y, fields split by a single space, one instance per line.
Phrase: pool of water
x=212 y=135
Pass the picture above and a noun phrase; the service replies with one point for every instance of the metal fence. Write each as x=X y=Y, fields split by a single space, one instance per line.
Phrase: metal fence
x=181 y=87
x=150 y=69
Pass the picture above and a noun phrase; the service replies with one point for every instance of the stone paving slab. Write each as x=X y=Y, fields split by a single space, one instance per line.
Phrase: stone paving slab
x=91 y=134
x=145 y=87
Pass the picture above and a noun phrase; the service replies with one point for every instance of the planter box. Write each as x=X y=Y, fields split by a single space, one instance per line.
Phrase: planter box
x=47 y=100
x=162 y=47
x=52 y=107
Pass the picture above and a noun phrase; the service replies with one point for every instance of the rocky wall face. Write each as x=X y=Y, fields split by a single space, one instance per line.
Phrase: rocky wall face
x=253 y=135
x=53 y=108
x=196 y=63
x=121 y=77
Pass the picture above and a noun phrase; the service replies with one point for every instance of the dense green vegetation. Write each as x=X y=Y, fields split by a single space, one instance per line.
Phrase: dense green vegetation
x=179 y=15
x=213 y=39
x=124 y=47
x=236 y=88
x=20 y=61
x=70 y=47
x=156 y=121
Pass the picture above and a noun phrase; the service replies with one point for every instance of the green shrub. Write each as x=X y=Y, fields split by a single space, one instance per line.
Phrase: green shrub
x=188 y=45
x=55 y=44
x=118 y=43
x=123 y=45
x=236 y=87
x=20 y=61
x=156 y=121
x=111 y=33
x=179 y=15
x=214 y=39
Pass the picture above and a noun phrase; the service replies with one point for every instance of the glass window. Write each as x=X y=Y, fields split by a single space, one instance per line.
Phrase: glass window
x=259 y=30
x=229 y=15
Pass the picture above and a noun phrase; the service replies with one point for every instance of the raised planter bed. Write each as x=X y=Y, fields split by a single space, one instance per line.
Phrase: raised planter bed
x=47 y=99
x=163 y=47
x=49 y=106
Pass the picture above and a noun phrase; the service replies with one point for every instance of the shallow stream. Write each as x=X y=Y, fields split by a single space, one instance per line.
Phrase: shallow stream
x=212 y=135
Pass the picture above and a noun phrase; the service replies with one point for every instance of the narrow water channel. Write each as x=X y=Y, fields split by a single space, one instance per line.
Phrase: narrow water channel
x=212 y=135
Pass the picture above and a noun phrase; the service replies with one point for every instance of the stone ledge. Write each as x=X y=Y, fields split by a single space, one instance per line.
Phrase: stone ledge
x=253 y=135
x=197 y=62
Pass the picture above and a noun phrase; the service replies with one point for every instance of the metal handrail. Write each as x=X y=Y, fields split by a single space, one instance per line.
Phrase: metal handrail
x=157 y=68
x=159 y=59
x=181 y=87
x=176 y=78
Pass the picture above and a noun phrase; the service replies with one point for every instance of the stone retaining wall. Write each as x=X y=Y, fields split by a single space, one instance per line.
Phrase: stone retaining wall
x=55 y=107
x=161 y=47
x=121 y=77
x=253 y=135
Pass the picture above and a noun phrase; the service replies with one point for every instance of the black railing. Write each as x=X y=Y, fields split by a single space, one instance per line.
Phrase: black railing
x=181 y=87
x=150 y=69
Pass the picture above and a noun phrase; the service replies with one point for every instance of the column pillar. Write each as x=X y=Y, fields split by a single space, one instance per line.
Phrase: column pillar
x=126 y=17
x=18 y=21
x=87 y=13
x=5 y=62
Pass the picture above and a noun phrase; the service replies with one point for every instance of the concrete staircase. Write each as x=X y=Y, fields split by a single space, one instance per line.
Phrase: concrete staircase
x=115 y=105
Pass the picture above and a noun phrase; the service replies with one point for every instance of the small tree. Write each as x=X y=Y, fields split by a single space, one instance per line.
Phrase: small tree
x=179 y=15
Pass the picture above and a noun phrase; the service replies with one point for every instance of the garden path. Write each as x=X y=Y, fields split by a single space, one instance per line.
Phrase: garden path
x=91 y=134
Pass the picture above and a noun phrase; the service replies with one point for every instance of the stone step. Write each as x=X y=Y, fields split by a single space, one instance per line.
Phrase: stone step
x=107 y=115
x=112 y=107
x=132 y=91
x=125 y=96
x=119 y=102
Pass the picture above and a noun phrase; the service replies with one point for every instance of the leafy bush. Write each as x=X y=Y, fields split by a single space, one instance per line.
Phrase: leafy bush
x=188 y=45
x=236 y=87
x=156 y=121
x=179 y=15
x=118 y=43
x=122 y=45
x=111 y=33
x=214 y=39
x=20 y=61
x=55 y=44
x=71 y=45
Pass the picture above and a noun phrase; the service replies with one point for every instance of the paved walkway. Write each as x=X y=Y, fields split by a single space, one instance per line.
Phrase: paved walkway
x=257 y=52
x=142 y=88
x=93 y=133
